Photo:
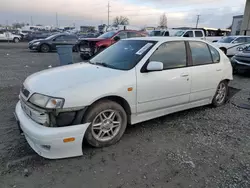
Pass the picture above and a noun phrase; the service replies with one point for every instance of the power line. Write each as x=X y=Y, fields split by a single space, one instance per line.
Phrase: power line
x=108 y=12
x=197 y=21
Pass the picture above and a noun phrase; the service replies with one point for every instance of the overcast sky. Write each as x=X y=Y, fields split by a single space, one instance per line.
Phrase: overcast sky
x=214 y=13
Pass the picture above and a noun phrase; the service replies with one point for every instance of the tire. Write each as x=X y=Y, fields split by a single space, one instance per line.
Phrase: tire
x=101 y=124
x=44 y=48
x=221 y=94
x=16 y=40
x=224 y=50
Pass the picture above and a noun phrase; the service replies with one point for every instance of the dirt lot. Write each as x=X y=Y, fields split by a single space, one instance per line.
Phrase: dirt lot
x=202 y=147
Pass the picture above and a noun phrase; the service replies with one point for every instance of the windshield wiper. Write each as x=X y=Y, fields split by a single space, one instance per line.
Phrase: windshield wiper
x=102 y=64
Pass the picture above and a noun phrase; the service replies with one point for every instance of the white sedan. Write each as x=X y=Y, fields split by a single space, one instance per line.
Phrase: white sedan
x=232 y=45
x=132 y=81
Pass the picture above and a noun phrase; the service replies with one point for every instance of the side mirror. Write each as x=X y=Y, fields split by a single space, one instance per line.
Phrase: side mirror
x=116 y=38
x=155 y=66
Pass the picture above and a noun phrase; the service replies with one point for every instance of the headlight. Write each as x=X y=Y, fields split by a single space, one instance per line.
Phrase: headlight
x=36 y=43
x=46 y=101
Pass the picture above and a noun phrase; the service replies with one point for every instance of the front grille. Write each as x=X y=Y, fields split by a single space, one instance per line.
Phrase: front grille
x=25 y=92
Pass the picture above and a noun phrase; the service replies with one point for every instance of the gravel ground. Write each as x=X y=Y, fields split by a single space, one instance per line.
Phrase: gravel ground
x=202 y=147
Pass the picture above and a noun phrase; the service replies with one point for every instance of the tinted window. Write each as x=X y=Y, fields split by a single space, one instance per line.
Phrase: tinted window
x=215 y=54
x=70 y=37
x=171 y=54
x=123 y=35
x=166 y=33
x=188 y=34
x=107 y=35
x=1 y=32
x=198 y=34
x=226 y=39
x=240 y=40
x=123 y=55
x=248 y=39
x=60 y=38
x=200 y=53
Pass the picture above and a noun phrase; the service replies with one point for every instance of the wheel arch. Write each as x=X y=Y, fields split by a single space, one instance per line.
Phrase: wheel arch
x=120 y=100
x=224 y=49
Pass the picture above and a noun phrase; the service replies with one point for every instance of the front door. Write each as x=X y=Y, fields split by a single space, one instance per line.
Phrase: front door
x=167 y=88
x=206 y=72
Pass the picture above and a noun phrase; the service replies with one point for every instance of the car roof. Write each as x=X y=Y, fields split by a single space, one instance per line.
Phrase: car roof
x=165 y=39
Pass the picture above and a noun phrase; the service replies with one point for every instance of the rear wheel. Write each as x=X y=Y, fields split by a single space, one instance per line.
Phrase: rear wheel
x=108 y=123
x=16 y=40
x=221 y=94
x=44 y=48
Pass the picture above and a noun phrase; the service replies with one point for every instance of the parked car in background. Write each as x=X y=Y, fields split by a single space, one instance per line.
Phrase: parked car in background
x=231 y=45
x=88 y=47
x=166 y=33
x=37 y=35
x=132 y=81
x=197 y=34
x=49 y=44
x=8 y=36
x=241 y=60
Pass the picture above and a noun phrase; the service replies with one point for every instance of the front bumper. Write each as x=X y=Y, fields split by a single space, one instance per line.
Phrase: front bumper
x=49 y=142
x=34 y=47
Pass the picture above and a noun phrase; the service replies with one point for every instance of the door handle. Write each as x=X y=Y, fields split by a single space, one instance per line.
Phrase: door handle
x=184 y=75
x=218 y=69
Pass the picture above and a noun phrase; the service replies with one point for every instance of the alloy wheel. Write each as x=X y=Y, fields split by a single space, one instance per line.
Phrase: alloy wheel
x=106 y=125
x=221 y=93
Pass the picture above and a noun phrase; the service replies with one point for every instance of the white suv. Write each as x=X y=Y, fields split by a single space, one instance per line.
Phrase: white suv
x=132 y=81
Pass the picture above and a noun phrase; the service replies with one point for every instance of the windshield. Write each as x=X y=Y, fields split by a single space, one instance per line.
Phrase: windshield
x=123 y=55
x=179 y=33
x=155 y=33
x=226 y=39
x=50 y=37
x=107 y=35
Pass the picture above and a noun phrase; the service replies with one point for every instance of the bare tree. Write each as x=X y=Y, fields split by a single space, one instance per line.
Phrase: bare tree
x=122 y=20
x=18 y=25
x=163 y=21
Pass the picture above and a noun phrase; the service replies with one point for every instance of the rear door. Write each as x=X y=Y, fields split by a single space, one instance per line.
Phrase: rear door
x=199 y=34
x=206 y=71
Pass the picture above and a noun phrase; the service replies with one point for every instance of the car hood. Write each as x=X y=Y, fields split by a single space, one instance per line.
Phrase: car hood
x=36 y=40
x=220 y=44
x=56 y=80
x=245 y=54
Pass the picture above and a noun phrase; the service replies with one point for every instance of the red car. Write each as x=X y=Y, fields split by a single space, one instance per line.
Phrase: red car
x=88 y=47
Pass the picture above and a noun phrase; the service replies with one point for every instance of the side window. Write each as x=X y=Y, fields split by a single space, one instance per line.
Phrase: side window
x=200 y=53
x=171 y=54
x=248 y=39
x=215 y=54
x=1 y=32
x=198 y=34
x=123 y=35
x=240 y=40
x=188 y=34
x=60 y=38
x=166 y=33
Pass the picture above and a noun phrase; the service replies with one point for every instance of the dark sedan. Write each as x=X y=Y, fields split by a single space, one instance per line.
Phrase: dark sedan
x=241 y=61
x=49 y=44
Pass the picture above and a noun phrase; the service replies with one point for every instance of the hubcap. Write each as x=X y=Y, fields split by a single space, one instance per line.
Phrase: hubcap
x=106 y=125
x=221 y=93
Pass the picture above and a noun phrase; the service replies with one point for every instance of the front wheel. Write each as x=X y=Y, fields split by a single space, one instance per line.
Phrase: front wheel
x=221 y=94
x=108 y=123
x=45 y=48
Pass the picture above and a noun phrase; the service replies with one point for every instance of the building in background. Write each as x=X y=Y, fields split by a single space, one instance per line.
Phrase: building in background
x=245 y=27
x=236 y=25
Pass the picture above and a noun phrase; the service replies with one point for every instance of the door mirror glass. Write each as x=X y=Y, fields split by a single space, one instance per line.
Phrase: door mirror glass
x=155 y=66
x=116 y=38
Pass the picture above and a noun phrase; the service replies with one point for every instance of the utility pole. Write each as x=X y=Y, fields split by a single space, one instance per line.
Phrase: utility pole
x=108 y=12
x=197 y=21
x=56 y=20
x=31 y=21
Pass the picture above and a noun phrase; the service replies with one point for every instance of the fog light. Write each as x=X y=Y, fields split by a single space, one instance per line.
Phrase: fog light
x=47 y=147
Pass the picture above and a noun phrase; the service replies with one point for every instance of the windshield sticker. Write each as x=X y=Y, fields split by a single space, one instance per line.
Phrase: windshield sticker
x=144 y=48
